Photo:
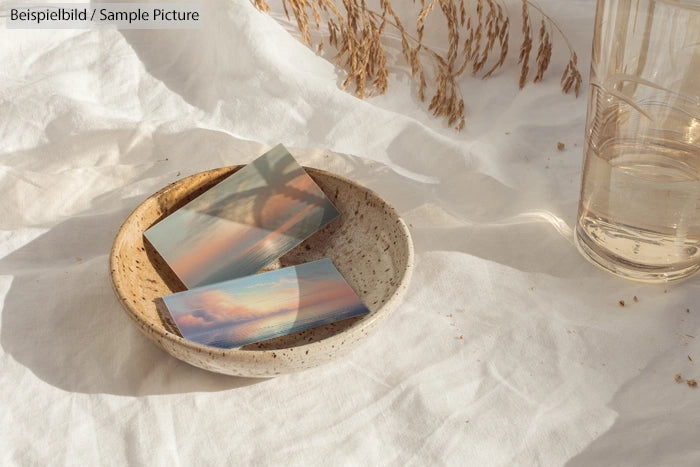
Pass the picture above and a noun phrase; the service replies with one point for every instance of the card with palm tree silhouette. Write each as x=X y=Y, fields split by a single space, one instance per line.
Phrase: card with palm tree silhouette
x=244 y=223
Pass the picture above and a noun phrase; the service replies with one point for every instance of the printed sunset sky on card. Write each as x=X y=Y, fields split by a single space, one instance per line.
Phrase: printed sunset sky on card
x=243 y=223
x=254 y=308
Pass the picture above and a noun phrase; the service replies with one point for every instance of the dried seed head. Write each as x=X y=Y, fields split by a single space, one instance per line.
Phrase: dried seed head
x=261 y=5
x=474 y=33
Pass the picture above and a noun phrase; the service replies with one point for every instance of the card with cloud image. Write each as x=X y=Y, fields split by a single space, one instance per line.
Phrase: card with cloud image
x=243 y=223
x=259 y=307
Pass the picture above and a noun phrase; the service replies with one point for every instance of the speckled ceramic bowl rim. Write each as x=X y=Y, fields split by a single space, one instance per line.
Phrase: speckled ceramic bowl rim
x=356 y=330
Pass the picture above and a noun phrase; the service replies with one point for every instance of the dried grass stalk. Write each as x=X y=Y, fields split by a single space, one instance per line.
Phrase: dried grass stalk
x=478 y=35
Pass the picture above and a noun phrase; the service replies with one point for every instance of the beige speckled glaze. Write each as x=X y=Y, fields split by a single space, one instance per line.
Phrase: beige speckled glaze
x=369 y=244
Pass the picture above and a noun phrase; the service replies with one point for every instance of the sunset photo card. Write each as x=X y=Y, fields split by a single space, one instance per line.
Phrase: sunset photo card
x=259 y=307
x=244 y=222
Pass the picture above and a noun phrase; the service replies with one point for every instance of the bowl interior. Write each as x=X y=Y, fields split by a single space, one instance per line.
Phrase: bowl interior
x=368 y=243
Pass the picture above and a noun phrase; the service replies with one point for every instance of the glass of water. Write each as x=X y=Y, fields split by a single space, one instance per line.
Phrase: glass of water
x=639 y=211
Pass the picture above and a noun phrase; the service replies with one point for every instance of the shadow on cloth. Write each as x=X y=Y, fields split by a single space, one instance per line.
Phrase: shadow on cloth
x=61 y=319
x=199 y=64
x=643 y=411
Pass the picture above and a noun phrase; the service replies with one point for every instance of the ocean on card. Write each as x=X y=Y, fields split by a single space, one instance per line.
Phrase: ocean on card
x=254 y=308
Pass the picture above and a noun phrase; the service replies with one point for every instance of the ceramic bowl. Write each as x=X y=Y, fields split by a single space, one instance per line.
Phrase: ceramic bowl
x=369 y=244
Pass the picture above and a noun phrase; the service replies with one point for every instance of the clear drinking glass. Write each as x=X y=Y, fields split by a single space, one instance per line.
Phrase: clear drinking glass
x=639 y=211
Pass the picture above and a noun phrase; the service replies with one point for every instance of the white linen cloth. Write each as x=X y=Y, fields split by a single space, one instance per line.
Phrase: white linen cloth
x=509 y=348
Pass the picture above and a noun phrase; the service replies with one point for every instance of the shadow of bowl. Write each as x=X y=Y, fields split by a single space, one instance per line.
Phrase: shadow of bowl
x=369 y=244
